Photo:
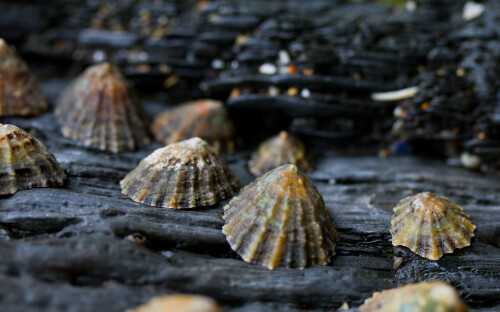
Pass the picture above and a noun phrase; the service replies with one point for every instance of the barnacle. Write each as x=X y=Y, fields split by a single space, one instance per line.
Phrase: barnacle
x=424 y=296
x=99 y=110
x=430 y=225
x=20 y=94
x=280 y=219
x=25 y=162
x=207 y=119
x=186 y=174
x=279 y=150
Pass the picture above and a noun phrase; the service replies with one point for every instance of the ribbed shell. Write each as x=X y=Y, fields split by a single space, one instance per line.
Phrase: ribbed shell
x=419 y=297
x=186 y=174
x=99 y=110
x=179 y=303
x=20 y=94
x=276 y=151
x=430 y=225
x=207 y=119
x=25 y=162
x=280 y=219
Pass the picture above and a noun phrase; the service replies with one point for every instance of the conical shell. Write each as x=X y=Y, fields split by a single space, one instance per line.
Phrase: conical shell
x=179 y=303
x=186 y=174
x=99 y=110
x=20 y=94
x=276 y=151
x=280 y=219
x=430 y=225
x=25 y=162
x=207 y=119
x=424 y=296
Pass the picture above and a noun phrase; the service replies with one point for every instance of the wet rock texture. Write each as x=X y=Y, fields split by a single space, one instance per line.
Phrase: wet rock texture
x=69 y=249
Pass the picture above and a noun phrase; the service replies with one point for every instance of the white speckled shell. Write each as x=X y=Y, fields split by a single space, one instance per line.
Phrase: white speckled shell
x=25 y=162
x=186 y=174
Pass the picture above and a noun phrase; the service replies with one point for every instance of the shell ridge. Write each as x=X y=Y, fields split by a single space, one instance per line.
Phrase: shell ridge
x=318 y=252
x=260 y=249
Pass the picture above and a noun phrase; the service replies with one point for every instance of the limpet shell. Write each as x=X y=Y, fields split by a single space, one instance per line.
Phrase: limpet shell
x=25 y=162
x=99 y=110
x=276 y=151
x=280 y=219
x=424 y=296
x=20 y=94
x=186 y=174
x=205 y=118
x=179 y=303
x=430 y=225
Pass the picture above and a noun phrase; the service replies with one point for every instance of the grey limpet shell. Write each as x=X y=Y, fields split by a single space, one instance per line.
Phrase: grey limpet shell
x=99 y=110
x=280 y=219
x=276 y=151
x=25 y=162
x=186 y=174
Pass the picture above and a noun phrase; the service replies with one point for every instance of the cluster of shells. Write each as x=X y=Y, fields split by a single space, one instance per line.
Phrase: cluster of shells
x=280 y=219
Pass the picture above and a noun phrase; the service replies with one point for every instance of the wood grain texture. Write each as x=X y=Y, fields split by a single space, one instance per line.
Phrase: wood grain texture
x=64 y=249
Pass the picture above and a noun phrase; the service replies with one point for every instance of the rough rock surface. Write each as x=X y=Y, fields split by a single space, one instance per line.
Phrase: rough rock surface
x=65 y=249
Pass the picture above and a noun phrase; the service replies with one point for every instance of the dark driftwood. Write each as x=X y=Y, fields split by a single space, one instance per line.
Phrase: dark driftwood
x=65 y=249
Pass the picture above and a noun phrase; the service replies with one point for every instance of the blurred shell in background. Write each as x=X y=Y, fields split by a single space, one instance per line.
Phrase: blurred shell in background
x=99 y=110
x=179 y=303
x=205 y=118
x=276 y=151
x=280 y=219
x=424 y=296
x=25 y=162
x=20 y=94
x=186 y=174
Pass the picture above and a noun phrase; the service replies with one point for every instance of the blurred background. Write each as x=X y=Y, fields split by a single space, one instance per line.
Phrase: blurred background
x=386 y=77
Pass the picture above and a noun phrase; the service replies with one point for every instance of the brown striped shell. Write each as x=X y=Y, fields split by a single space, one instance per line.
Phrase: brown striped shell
x=424 y=296
x=186 y=174
x=179 y=303
x=99 y=110
x=280 y=219
x=276 y=151
x=207 y=119
x=25 y=162
x=430 y=225
x=20 y=94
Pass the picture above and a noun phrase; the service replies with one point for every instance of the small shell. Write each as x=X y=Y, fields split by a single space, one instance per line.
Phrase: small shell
x=186 y=174
x=207 y=119
x=277 y=151
x=430 y=225
x=25 y=162
x=20 y=94
x=99 y=110
x=280 y=219
x=424 y=296
x=398 y=263
x=179 y=303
